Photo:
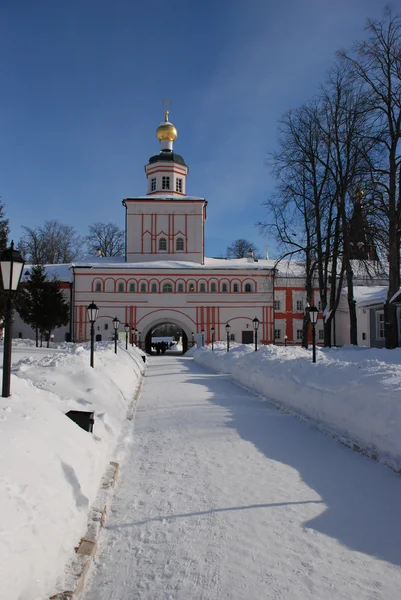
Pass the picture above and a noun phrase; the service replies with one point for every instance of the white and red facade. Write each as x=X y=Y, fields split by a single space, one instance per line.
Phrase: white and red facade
x=166 y=278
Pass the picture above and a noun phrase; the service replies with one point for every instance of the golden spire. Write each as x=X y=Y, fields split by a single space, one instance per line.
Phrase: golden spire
x=166 y=131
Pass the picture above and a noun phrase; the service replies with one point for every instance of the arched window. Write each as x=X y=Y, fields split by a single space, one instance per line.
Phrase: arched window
x=120 y=287
x=98 y=286
x=154 y=288
x=235 y=288
x=132 y=287
x=181 y=287
x=179 y=244
x=248 y=287
x=224 y=288
x=163 y=244
x=143 y=288
x=202 y=288
x=213 y=287
x=167 y=288
x=191 y=287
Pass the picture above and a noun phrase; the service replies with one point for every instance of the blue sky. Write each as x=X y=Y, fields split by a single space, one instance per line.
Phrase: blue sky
x=81 y=89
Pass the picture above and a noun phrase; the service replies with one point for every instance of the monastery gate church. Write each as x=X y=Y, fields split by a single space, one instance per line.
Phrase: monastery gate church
x=165 y=277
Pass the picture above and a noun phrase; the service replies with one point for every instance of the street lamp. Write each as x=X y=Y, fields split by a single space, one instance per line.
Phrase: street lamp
x=92 y=311
x=193 y=338
x=285 y=340
x=212 y=332
x=116 y=324
x=133 y=332
x=228 y=327
x=255 y=322
x=313 y=315
x=126 y=329
x=11 y=264
x=203 y=337
x=139 y=338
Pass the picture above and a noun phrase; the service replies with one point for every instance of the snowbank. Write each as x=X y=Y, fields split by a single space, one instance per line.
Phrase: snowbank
x=353 y=392
x=51 y=469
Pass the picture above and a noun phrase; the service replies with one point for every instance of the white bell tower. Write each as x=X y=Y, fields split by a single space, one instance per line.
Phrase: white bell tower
x=166 y=224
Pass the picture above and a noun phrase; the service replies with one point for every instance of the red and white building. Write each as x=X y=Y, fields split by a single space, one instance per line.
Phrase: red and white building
x=166 y=278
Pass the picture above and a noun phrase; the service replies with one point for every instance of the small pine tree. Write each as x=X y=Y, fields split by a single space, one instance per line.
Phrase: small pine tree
x=41 y=304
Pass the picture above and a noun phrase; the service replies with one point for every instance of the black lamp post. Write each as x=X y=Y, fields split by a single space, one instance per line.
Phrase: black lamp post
x=203 y=336
x=133 y=332
x=93 y=311
x=212 y=332
x=313 y=315
x=285 y=340
x=116 y=324
x=255 y=323
x=139 y=338
x=126 y=329
x=228 y=327
x=193 y=339
x=11 y=264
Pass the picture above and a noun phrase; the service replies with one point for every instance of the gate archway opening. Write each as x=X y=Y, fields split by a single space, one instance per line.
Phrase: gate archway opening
x=166 y=338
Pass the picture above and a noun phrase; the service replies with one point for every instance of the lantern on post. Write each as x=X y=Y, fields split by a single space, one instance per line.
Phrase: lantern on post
x=11 y=264
x=92 y=311
x=116 y=324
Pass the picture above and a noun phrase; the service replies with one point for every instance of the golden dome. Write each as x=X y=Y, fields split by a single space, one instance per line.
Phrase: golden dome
x=166 y=131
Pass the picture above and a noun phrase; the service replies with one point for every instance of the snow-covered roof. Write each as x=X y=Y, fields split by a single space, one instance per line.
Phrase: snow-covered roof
x=369 y=295
x=62 y=272
x=165 y=197
x=284 y=268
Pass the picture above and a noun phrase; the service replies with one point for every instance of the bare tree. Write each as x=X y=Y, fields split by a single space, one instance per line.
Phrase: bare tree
x=51 y=243
x=376 y=63
x=106 y=239
x=240 y=248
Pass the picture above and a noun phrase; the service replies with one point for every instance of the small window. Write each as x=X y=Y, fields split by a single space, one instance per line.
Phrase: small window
x=321 y=335
x=120 y=287
x=167 y=288
x=364 y=336
x=153 y=184
x=181 y=287
x=299 y=334
x=132 y=287
x=202 y=288
x=191 y=287
x=165 y=183
x=106 y=326
x=154 y=288
x=163 y=244
x=178 y=185
x=224 y=288
x=300 y=306
x=277 y=305
x=277 y=334
x=213 y=287
x=179 y=245
x=232 y=337
x=248 y=287
x=380 y=325
x=98 y=287
x=235 y=288
x=143 y=288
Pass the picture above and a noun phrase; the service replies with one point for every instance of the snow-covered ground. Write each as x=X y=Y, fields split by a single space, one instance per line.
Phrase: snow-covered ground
x=352 y=392
x=224 y=497
x=221 y=495
x=50 y=468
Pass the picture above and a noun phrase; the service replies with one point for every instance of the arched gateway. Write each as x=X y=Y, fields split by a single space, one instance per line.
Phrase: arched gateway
x=173 y=328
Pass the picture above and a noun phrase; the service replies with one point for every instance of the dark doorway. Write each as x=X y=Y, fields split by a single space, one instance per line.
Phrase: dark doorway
x=166 y=339
x=247 y=337
x=98 y=337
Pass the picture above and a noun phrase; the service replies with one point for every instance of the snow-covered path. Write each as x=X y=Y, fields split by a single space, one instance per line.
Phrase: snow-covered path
x=225 y=497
